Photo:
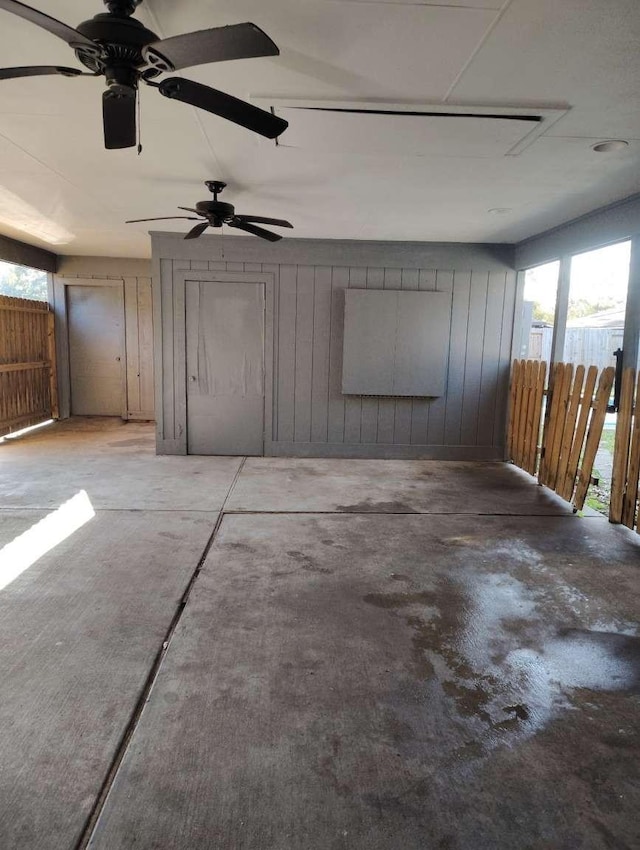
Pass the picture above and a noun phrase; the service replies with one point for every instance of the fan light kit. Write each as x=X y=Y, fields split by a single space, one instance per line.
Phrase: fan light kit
x=122 y=50
x=216 y=213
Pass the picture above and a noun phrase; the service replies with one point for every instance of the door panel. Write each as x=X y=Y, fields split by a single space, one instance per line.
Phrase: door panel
x=225 y=368
x=95 y=316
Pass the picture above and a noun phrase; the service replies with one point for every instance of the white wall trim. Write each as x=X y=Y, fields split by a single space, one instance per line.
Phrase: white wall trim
x=104 y=267
x=457 y=256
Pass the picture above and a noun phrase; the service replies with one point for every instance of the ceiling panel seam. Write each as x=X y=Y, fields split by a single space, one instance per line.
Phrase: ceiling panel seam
x=52 y=170
x=159 y=29
x=477 y=50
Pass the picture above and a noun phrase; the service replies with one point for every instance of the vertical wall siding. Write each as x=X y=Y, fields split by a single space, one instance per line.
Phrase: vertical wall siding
x=139 y=347
x=310 y=415
x=311 y=406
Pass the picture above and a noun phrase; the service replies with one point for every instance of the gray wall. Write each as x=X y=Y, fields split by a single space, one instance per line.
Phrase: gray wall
x=604 y=226
x=306 y=412
x=135 y=278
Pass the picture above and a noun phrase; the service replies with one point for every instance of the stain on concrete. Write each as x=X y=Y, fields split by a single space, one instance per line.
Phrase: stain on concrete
x=399 y=600
x=148 y=442
x=470 y=700
x=241 y=547
x=368 y=507
x=520 y=711
x=612 y=842
x=308 y=563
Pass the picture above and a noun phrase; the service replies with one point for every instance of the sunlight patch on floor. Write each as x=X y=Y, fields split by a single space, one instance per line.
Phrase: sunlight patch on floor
x=14 y=434
x=45 y=535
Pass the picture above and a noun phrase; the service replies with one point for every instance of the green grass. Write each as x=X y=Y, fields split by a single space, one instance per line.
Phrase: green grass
x=599 y=495
x=598 y=500
x=608 y=439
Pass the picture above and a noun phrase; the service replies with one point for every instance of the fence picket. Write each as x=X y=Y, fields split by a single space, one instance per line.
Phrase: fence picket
x=621 y=447
x=513 y=395
x=593 y=437
x=538 y=398
x=526 y=399
x=563 y=401
x=630 y=500
x=586 y=402
x=575 y=395
x=549 y=423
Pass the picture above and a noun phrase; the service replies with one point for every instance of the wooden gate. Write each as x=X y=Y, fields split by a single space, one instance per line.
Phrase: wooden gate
x=28 y=387
x=623 y=507
x=560 y=456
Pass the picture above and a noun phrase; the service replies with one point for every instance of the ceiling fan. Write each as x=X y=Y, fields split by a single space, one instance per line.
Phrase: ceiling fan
x=216 y=213
x=125 y=52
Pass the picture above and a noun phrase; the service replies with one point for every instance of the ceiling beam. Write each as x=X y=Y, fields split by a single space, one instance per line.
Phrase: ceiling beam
x=13 y=251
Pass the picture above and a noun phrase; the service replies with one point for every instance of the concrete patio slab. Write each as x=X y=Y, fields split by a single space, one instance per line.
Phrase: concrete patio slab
x=15 y=523
x=375 y=683
x=390 y=486
x=79 y=631
x=115 y=462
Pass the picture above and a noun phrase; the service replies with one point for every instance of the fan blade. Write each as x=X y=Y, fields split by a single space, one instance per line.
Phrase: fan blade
x=224 y=105
x=40 y=70
x=162 y=218
x=189 y=209
x=119 y=116
x=198 y=230
x=71 y=36
x=276 y=222
x=256 y=231
x=240 y=41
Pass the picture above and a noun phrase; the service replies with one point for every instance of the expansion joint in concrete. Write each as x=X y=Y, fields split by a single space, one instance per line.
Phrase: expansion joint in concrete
x=101 y=799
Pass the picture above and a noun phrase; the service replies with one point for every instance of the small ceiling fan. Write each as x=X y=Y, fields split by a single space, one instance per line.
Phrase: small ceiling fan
x=125 y=52
x=216 y=213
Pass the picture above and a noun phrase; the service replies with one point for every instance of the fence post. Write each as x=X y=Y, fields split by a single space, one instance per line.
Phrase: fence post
x=53 y=366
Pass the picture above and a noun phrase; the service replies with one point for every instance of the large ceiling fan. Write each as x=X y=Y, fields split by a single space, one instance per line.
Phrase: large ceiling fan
x=216 y=213
x=120 y=48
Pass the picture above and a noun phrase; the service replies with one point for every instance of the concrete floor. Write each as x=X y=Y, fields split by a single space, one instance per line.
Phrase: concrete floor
x=376 y=655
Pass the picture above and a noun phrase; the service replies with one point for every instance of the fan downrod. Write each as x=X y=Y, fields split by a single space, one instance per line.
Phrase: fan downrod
x=122 y=8
x=215 y=186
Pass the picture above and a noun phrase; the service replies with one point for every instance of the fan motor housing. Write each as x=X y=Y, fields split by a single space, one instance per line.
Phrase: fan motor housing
x=216 y=209
x=121 y=40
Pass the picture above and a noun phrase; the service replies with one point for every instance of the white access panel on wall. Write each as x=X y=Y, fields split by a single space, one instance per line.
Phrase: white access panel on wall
x=396 y=343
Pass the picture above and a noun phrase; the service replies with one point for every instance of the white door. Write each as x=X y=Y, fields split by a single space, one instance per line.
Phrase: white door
x=225 y=368
x=95 y=319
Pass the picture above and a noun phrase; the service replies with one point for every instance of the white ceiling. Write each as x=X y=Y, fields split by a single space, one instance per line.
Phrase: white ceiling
x=61 y=190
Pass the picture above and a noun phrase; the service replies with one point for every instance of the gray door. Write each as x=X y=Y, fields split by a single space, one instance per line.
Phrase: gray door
x=95 y=317
x=225 y=368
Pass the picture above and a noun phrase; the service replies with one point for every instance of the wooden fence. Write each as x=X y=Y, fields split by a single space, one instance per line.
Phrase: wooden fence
x=623 y=507
x=581 y=345
x=560 y=456
x=28 y=387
